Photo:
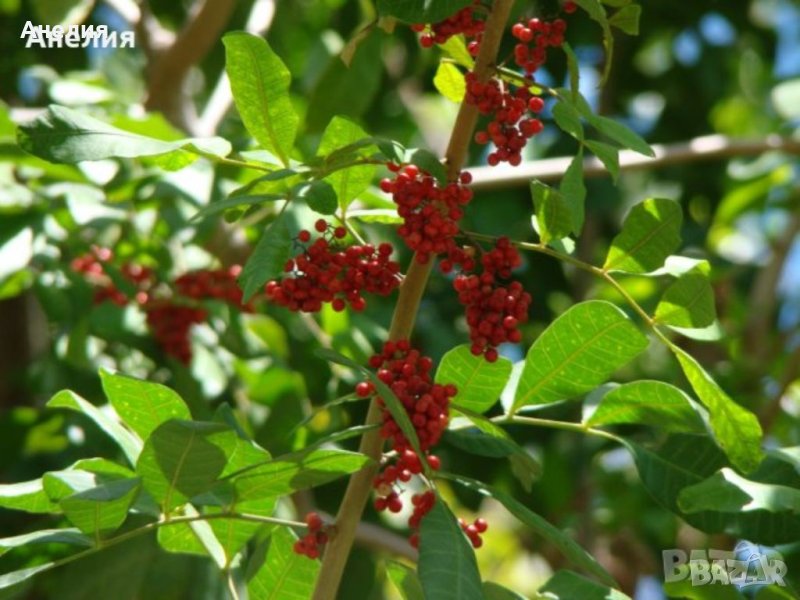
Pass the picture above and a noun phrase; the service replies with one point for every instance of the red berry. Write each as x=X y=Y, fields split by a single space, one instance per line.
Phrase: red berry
x=364 y=389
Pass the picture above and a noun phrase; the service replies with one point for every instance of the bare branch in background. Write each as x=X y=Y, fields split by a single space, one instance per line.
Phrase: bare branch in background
x=167 y=76
x=708 y=147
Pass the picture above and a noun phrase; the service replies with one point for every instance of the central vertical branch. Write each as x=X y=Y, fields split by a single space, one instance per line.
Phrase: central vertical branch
x=405 y=313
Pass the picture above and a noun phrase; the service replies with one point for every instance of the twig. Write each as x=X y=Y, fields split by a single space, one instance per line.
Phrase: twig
x=763 y=297
x=411 y=291
x=165 y=88
x=709 y=147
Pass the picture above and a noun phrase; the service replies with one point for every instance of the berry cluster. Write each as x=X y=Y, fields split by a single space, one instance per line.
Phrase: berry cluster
x=322 y=273
x=423 y=503
x=171 y=315
x=474 y=531
x=463 y=22
x=535 y=37
x=430 y=211
x=93 y=266
x=494 y=311
x=170 y=324
x=510 y=126
x=311 y=544
x=408 y=374
x=219 y=284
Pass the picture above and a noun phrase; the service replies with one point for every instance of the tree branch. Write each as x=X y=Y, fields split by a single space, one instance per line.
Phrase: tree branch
x=166 y=80
x=763 y=297
x=411 y=292
x=709 y=147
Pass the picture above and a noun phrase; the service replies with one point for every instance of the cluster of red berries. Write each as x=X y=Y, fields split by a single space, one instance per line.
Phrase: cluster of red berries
x=474 y=531
x=511 y=126
x=423 y=503
x=171 y=325
x=463 y=22
x=494 y=311
x=429 y=210
x=314 y=541
x=321 y=273
x=168 y=318
x=408 y=374
x=93 y=266
x=219 y=284
x=535 y=37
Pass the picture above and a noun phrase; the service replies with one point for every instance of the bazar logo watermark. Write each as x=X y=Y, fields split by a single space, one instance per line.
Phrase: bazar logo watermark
x=75 y=36
x=744 y=566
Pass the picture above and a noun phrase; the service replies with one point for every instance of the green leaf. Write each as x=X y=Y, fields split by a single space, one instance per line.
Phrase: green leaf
x=427 y=161
x=69 y=536
x=101 y=510
x=578 y=351
x=450 y=82
x=235 y=202
x=494 y=591
x=62 y=12
x=197 y=537
x=626 y=19
x=335 y=90
x=489 y=439
x=447 y=567
x=352 y=181
x=607 y=154
x=598 y=14
x=686 y=589
x=565 y=585
x=281 y=572
x=735 y=428
x=620 y=134
x=573 y=190
x=456 y=48
x=128 y=442
x=650 y=233
x=28 y=496
x=182 y=459
x=291 y=472
x=405 y=580
x=319 y=195
x=568 y=119
x=727 y=491
x=573 y=68
x=62 y=135
x=421 y=11
x=395 y=407
x=565 y=544
x=689 y=301
x=260 y=85
x=268 y=258
x=142 y=405
x=553 y=212
x=685 y=460
x=786 y=98
x=384 y=216
x=10 y=579
x=476 y=441
x=479 y=382
x=649 y=403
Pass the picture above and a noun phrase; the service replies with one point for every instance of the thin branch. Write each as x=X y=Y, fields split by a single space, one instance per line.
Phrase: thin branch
x=166 y=80
x=411 y=292
x=709 y=147
x=551 y=424
x=763 y=297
